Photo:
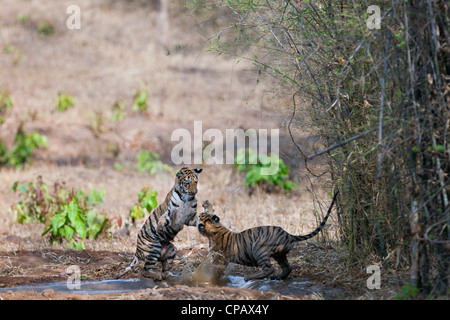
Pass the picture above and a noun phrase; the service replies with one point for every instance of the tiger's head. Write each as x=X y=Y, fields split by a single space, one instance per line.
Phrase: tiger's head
x=208 y=222
x=186 y=180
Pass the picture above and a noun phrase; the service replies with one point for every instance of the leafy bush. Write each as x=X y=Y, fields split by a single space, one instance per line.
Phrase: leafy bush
x=36 y=201
x=250 y=163
x=148 y=161
x=5 y=103
x=24 y=143
x=146 y=201
x=45 y=29
x=117 y=110
x=64 y=101
x=140 y=100
x=68 y=214
x=24 y=146
x=408 y=291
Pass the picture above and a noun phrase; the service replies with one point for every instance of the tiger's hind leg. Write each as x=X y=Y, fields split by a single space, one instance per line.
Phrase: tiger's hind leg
x=285 y=267
x=266 y=271
x=151 y=259
x=167 y=257
x=262 y=260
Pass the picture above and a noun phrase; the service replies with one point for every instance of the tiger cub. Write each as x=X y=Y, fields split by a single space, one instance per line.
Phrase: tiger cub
x=251 y=247
x=154 y=240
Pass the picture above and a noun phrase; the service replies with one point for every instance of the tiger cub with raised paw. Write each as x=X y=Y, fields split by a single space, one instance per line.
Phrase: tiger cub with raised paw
x=154 y=240
x=252 y=247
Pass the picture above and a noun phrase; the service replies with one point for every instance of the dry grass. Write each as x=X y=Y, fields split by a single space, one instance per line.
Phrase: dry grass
x=293 y=212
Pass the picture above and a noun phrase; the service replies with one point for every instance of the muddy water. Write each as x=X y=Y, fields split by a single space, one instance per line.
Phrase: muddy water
x=203 y=275
x=296 y=286
x=91 y=287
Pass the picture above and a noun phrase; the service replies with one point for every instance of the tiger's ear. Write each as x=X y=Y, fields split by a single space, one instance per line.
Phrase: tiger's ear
x=198 y=170
x=180 y=173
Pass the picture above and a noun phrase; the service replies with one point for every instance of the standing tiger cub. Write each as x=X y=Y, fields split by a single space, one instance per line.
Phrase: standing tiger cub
x=154 y=240
x=251 y=247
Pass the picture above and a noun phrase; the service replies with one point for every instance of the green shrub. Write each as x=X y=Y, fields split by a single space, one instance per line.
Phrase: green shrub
x=24 y=143
x=23 y=149
x=408 y=291
x=140 y=100
x=64 y=101
x=146 y=201
x=45 y=29
x=117 y=110
x=250 y=163
x=24 y=146
x=36 y=201
x=148 y=161
x=69 y=214
x=5 y=103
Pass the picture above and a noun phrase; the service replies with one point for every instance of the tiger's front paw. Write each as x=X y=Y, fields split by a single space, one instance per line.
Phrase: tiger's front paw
x=157 y=276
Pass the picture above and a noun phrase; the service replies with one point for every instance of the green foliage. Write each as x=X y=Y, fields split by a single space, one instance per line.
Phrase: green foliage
x=22 y=17
x=64 y=101
x=408 y=291
x=97 y=123
x=36 y=201
x=76 y=216
x=5 y=103
x=45 y=29
x=24 y=143
x=250 y=163
x=16 y=53
x=117 y=111
x=140 y=100
x=23 y=149
x=24 y=146
x=69 y=215
x=148 y=162
x=117 y=166
x=146 y=202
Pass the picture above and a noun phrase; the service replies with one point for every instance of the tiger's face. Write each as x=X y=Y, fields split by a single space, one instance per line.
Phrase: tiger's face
x=187 y=180
x=208 y=223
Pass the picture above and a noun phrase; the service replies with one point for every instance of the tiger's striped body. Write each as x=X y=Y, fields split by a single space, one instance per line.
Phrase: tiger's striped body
x=251 y=247
x=154 y=240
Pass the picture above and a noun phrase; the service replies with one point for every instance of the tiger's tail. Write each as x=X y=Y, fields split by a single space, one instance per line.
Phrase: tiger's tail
x=129 y=268
x=312 y=234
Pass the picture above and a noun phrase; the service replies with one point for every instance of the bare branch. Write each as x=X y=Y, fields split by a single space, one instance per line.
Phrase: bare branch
x=340 y=144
